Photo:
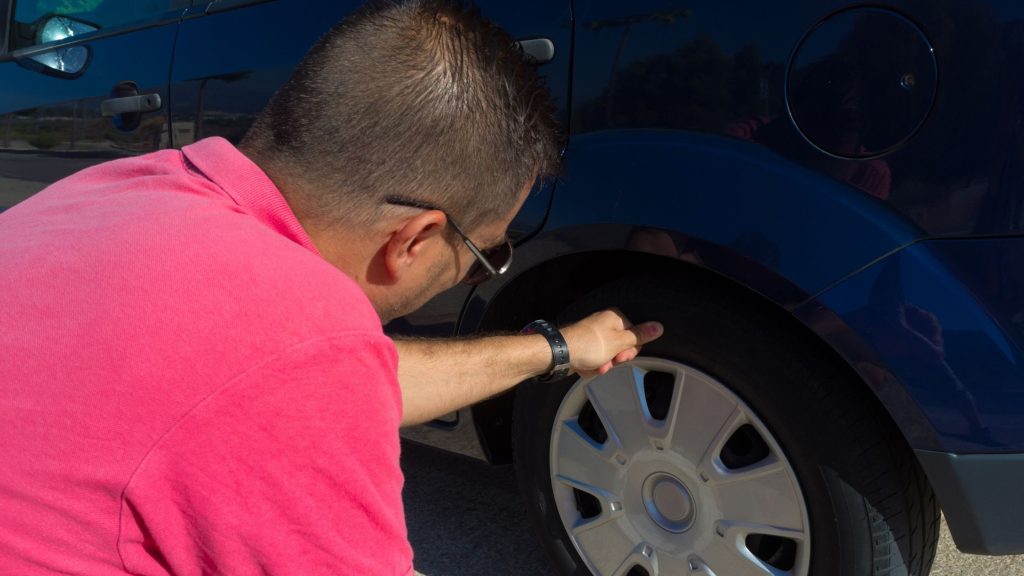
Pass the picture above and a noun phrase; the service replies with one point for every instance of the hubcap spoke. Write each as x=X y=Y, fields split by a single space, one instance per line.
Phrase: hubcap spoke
x=616 y=398
x=731 y=554
x=607 y=544
x=725 y=559
x=737 y=531
x=696 y=565
x=761 y=495
x=585 y=462
x=698 y=412
x=642 y=555
x=710 y=468
x=670 y=564
x=610 y=502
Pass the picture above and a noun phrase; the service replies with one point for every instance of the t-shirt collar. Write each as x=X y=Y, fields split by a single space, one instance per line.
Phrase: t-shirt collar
x=248 y=185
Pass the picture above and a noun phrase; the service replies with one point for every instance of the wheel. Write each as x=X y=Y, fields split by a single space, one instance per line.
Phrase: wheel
x=735 y=445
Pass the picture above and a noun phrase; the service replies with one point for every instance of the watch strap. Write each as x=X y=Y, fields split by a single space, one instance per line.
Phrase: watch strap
x=559 y=349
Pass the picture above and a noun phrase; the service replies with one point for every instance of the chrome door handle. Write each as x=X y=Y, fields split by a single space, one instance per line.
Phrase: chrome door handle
x=129 y=104
x=538 y=50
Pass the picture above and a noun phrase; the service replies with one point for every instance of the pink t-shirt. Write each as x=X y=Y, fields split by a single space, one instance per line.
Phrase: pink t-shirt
x=186 y=385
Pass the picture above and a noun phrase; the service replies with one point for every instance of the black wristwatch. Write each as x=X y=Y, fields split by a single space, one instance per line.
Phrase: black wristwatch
x=559 y=349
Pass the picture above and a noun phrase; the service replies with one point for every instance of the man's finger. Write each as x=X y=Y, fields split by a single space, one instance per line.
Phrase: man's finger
x=625 y=355
x=646 y=332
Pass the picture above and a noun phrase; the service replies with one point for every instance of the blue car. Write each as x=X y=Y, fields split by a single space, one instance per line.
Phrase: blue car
x=823 y=201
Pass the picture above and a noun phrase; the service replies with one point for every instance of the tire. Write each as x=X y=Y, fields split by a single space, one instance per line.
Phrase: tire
x=840 y=493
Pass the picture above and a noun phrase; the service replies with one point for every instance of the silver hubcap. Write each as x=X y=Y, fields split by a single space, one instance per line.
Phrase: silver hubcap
x=659 y=469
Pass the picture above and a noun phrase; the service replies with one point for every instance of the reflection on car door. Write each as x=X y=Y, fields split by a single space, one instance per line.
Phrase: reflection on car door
x=66 y=63
x=231 y=59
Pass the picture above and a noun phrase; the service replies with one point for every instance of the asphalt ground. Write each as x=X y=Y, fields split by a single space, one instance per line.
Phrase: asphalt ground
x=465 y=517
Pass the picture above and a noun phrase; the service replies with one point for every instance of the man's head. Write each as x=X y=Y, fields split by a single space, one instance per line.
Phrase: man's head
x=419 y=100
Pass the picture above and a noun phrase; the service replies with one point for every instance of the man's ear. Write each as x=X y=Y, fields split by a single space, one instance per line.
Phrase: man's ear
x=411 y=240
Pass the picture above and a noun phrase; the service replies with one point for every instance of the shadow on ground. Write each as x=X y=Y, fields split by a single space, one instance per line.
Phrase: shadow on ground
x=465 y=517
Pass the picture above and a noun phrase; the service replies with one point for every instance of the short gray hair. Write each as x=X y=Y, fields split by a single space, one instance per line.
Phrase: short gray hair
x=421 y=99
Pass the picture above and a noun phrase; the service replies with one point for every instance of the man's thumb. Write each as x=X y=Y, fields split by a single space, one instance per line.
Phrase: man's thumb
x=647 y=332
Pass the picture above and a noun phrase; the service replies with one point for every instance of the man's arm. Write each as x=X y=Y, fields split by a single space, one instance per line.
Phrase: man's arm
x=440 y=376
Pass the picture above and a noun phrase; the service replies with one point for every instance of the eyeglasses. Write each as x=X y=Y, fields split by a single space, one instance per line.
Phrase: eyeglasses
x=489 y=263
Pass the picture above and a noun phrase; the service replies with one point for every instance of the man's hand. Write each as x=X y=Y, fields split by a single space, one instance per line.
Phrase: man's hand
x=600 y=341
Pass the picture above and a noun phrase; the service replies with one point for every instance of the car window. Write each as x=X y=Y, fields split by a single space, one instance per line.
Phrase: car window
x=79 y=16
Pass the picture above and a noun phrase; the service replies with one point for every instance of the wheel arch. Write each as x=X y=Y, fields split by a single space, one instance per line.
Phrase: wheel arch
x=690 y=207
x=547 y=288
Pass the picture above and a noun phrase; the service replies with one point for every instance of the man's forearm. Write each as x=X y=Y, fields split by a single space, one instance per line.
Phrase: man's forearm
x=440 y=376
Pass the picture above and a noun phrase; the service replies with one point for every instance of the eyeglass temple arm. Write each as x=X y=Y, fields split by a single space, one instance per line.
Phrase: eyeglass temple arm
x=472 y=247
x=465 y=238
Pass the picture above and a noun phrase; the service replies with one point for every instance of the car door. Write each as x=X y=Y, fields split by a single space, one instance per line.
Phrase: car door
x=232 y=56
x=83 y=81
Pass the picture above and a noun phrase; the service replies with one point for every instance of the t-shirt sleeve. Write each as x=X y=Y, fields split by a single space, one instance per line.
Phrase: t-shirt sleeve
x=291 y=468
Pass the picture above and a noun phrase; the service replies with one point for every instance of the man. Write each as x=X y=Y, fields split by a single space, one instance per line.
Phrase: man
x=194 y=375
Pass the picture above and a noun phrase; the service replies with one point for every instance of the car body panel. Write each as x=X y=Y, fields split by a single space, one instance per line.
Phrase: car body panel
x=978 y=494
x=727 y=68
x=690 y=183
x=954 y=350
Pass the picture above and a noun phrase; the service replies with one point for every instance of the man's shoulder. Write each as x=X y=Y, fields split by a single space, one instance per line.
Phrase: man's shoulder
x=118 y=190
x=161 y=163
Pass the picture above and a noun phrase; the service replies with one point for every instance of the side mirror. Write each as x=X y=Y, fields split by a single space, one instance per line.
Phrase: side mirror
x=67 y=61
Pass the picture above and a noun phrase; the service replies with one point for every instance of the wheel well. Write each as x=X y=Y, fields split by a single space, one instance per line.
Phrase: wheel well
x=548 y=289
x=544 y=292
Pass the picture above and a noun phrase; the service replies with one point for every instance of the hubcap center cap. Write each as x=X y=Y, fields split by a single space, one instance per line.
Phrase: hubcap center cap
x=668 y=502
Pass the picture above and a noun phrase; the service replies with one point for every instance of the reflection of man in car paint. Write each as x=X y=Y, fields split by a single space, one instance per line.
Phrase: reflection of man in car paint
x=912 y=337
x=832 y=109
x=195 y=378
